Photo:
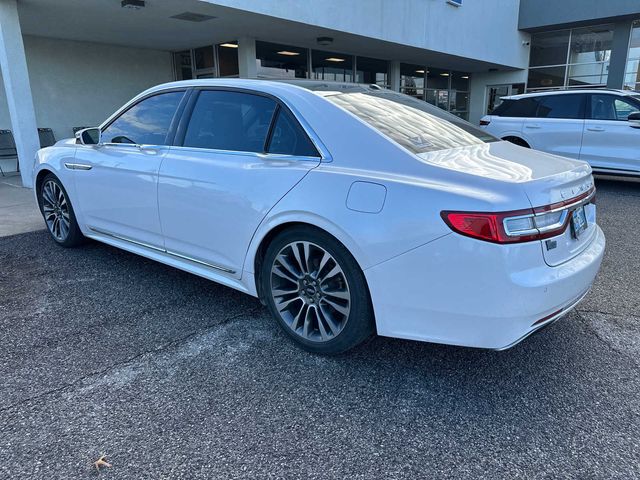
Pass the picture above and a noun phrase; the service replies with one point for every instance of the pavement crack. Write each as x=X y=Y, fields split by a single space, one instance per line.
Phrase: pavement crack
x=602 y=339
x=128 y=361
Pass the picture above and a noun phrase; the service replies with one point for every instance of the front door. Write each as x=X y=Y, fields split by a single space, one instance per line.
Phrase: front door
x=609 y=140
x=117 y=181
x=241 y=153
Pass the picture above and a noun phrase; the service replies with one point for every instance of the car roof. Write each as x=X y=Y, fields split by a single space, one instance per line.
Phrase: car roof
x=571 y=91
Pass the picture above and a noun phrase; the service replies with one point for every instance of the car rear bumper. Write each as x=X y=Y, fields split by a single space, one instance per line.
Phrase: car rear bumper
x=461 y=291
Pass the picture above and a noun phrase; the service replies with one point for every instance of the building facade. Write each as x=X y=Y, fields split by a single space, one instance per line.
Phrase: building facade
x=68 y=64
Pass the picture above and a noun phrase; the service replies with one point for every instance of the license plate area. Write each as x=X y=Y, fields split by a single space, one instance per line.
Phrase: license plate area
x=578 y=222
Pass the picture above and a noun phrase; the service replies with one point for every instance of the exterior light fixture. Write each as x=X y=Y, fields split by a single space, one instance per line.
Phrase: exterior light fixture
x=133 y=4
x=229 y=45
x=334 y=59
x=324 y=40
x=466 y=77
x=419 y=71
x=444 y=74
x=288 y=53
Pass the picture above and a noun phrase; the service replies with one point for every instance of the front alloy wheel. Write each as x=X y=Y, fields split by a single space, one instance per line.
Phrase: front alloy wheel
x=57 y=212
x=316 y=291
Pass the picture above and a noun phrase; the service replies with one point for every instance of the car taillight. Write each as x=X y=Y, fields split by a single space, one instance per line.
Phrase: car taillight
x=484 y=123
x=517 y=225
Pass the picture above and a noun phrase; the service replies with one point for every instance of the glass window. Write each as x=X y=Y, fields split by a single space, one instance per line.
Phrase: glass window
x=412 y=78
x=280 y=61
x=203 y=57
x=561 y=106
x=332 y=66
x=145 y=123
x=611 y=107
x=412 y=123
x=437 y=78
x=632 y=76
x=549 y=48
x=230 y=121
x=588 y=74
x=460 y=81
x=182 y=61
x=228 y=59
x=591 y=44
x=372 y=71
x=546 y=77
x=524 y=107
x=288 y=137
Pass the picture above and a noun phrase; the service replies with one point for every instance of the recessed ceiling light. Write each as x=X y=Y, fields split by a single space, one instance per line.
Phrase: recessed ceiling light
x=288 y=53
x=334 y=59
x=229 y=45
x=419 y=71
x=466 y=77
x=444 y=74
x=324 y=40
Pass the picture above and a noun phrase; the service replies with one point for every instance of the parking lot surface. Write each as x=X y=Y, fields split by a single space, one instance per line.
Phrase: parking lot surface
x=172 y=376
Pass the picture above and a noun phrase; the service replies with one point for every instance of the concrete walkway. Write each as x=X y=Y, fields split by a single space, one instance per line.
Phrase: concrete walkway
x=18 y=210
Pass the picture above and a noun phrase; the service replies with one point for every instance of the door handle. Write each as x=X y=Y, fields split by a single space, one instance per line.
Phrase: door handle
x=532 y=126
x=151 y=149
x=595 y=129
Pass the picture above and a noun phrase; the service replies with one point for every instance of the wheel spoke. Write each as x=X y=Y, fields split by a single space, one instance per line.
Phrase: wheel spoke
x=282 y=260
x=332 y=325
x=306 y=247
x=297 y=317
x=332 y=273
x=283 y=274
x=337 y=307
x=296 y=255
x=321 y=328
x=341 y=294
x=283 y=304
x=323 y=261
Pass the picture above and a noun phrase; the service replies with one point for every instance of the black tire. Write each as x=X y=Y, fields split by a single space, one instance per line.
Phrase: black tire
x=73 y=236
x=357 y=325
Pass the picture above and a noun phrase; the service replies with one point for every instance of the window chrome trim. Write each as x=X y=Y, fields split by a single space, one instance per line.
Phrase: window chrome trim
x=162 y=250
x=260 y=155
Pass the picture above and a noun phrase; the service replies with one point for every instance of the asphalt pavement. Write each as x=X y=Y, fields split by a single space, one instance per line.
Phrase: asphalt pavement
x=172 y=376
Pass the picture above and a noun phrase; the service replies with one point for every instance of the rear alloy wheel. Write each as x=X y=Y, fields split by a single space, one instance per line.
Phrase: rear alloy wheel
x=316 y=291
x=58 y=213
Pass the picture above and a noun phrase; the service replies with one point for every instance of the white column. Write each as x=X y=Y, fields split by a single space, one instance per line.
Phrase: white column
x=394 y=75
x=247 y=57
x=16 y=84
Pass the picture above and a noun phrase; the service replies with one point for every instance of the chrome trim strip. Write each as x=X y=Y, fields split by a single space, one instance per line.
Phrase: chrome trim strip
x=160 y=249
x=77 y=166
x=210 y=265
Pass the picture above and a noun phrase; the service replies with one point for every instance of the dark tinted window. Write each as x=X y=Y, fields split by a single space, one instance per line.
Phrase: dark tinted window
x=146 y=123
x=230 y=121
x=524 y=107
x=288 y=137
x=561 y=106
x=611 y=107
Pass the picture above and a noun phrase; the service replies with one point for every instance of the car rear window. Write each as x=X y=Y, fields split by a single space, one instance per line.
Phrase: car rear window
x=523 y=107
x=414 y=124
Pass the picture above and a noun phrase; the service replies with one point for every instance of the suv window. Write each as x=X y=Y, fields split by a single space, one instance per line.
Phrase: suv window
x=288 y=137
x=523 y=107
x=561 y=106
x=225 y=120
x=145 y=123
x=611 y=107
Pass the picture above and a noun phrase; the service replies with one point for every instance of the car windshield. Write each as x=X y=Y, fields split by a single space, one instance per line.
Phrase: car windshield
x=416 y=125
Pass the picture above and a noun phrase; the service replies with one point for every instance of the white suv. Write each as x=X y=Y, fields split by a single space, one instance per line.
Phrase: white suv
x=600 y=126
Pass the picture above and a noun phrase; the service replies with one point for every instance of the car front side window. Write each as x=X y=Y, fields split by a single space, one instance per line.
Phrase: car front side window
x=610 y=107
x=145 y=123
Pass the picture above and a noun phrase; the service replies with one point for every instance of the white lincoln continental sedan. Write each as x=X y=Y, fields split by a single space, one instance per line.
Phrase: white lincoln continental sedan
x=347 y=209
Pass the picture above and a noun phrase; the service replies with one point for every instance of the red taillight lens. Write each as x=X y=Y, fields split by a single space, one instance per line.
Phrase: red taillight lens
x=517 y=225
x=484 y=123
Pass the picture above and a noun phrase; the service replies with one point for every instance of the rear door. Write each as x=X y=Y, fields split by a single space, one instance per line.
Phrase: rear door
x=609 y=140
x=237 y=154
x=558 y=124
x=508 y=117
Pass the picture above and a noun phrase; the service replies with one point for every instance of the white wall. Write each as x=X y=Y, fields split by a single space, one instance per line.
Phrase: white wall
x=79 y=83
x=478 y=95
x=484 y=30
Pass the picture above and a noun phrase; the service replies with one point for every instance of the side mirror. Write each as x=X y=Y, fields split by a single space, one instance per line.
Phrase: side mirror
x=89 y=136
x=634 y=117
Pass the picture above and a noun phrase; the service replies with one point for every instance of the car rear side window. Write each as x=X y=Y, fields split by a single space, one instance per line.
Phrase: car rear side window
x=145 y=123
x=412 y=123
x=522 y=107
x=225 y=120
x=561 y=106
x=288 y=137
